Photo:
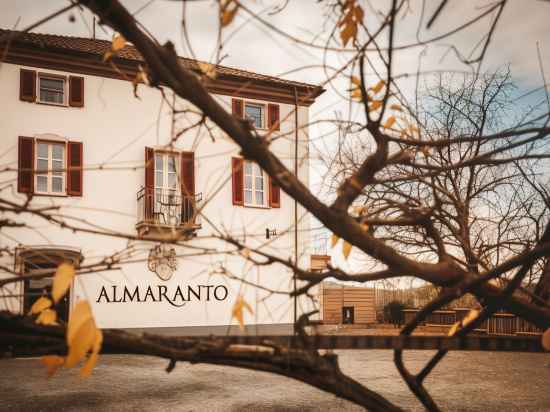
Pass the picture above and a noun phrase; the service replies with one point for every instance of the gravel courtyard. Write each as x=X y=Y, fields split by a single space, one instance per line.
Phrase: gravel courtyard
x=474 y=381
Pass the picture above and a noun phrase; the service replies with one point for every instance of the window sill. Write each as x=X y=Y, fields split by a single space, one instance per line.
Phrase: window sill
x=256 y=206
x=52 y=104
x=50 y=194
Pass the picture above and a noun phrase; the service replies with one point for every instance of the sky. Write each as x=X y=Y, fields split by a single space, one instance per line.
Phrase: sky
x=251 y=46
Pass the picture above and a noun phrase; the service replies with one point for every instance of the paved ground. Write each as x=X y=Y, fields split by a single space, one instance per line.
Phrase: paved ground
x=473 y=381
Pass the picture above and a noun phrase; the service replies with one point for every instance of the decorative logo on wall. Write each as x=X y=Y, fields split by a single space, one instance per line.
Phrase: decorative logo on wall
x=162 y=261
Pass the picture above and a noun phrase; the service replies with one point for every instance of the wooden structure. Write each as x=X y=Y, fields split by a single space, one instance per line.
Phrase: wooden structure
x=498 y=324
x=347 y=304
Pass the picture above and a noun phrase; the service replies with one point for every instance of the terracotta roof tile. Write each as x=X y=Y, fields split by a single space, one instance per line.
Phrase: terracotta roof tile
x=100 y=47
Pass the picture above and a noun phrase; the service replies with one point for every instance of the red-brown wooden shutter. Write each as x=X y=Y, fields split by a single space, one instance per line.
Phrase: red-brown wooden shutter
x=149 y=183
x=273 y=116
x=274 y=194
x=188 y=173
x=76 y=91
x=74 y=168
x=25 y=175
x=237 y=175
x=237 y=108
x=27 y=85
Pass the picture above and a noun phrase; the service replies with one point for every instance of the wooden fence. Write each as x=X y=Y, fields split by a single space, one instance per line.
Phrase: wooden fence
x=497 y=324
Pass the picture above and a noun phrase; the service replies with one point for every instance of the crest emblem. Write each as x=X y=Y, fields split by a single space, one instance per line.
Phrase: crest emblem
x=162 y=261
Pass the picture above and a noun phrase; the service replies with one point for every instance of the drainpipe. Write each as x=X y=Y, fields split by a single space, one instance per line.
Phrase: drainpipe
x=295 y=201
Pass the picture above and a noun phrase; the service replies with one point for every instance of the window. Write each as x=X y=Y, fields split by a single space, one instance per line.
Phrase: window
x=51 y=89
x=166 y=174
x=255 y=113
x=167 y=189
x=50 y=165
x=254 y=185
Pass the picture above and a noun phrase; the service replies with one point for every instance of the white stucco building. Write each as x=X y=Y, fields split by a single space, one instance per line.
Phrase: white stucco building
x=74 y=136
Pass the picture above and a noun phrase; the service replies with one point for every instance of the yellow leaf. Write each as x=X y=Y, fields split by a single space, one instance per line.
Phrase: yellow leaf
x=107 y=56
x=359 y=14
x=245 y=252
x=366 y=226
x=118 y=42
x=376 y=104
x=346 y=248
x=396 y=107
x=356 y=81
x=454 y=328
x=41 y=303
x=349 y=32
x=52 y=363
x=90 y=363
x=378 y=86
x=237 y=311
x=333 y=240
x=82 y=342
x=471 y=316
x=81 y=314
x=546 y=339
x=47 y=317
x=356 y=94
x=209 y=70
x=62 y=281
x=228 y=13
x=389 y=123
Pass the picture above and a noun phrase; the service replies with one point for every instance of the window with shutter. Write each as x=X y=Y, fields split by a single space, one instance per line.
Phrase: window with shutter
x=76 y=91
x=273 y=117
x=255 y=188
x=149 y=183
x=188 y=173
x=237 y=177
x=27 y=85
x=274 y=194
x=25 y=165
x=74 y=168
x=237 y=108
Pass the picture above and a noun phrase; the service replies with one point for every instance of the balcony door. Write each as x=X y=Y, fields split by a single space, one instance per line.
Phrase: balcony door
x=167 y=202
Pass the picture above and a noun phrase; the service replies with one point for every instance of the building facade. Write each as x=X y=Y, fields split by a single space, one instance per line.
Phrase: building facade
x=126 y=173
x=343 y=304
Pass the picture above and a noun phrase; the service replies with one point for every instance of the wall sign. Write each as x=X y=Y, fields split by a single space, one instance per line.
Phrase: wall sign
x=176 y=296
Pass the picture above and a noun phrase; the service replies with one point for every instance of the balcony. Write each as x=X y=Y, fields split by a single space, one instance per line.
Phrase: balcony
x=164 y=212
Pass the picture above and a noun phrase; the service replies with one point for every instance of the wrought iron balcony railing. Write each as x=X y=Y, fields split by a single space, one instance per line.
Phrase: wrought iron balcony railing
x=167 y=208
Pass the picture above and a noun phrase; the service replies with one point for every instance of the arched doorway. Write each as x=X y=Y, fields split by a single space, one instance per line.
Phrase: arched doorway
x=37 y=260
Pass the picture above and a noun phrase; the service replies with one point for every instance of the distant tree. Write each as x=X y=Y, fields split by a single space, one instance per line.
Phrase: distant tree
x=393 y=312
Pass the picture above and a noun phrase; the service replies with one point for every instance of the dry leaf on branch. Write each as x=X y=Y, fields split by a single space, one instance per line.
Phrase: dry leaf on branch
x=376 y=104
x=352 y=15
x=83 y=336
x=117 y=44
x=62 y=280
x=47 y=317
x=227 y=12
x=52 y=363
x=389 y=122
x=237 y=312
x=41 y=303
x=378 y=86
x=333 y=240
x=209 y=70
x=346 y=248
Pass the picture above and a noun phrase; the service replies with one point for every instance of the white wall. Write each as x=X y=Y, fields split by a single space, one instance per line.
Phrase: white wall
x=114 y=128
